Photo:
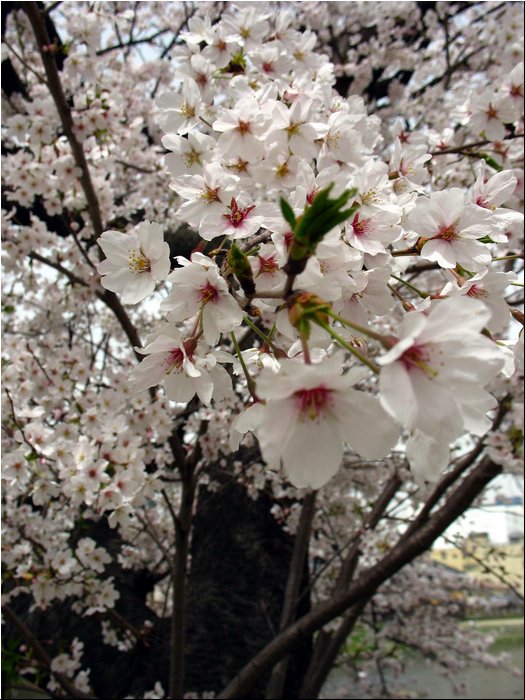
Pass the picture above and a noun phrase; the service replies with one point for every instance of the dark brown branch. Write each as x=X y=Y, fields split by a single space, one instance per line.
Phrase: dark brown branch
x=476 y=144
x=328 y=644
x=451 y=69
x=405 y=551
x=127 y=50
x=75 y=279
x=180 y=567
x=37 y=21
x=293 y=587
x=131 y=166
x=321 y=665
x=182 y=523
x=133 y=42
x=49 y=9
x=43 y=41
x=448 y=72
x=109 y=298
x=380 y=506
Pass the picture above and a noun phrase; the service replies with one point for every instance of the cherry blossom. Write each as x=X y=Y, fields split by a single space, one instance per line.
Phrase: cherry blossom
x=307 y=416
x=439 y=363
x=184 y=371
x=134 y=262
x=450 y=229
x=369 y=347
x=197 y=288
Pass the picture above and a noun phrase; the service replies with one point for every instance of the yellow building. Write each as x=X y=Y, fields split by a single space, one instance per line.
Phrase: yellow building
x=486 y=562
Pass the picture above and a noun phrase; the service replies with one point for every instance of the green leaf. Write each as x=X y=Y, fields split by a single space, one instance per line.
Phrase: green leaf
x=489 y=160
x=241 y=268
x=322 y=216
x=287 y=212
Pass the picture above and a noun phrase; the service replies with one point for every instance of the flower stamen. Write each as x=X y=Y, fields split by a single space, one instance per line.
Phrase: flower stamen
x=312 y=403
x=138 y=262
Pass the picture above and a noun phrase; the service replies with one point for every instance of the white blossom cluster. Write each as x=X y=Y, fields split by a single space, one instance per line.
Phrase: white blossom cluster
x=252 y=119
x=397 y=340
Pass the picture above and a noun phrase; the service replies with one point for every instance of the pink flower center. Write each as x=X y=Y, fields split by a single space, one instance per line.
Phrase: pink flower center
x=208 y=293
x=201 y=79
x=267 y=266
x=481 y=201
x=448 y=233
x=288 y=238
x=243 y=127
x=360 y=227
x=174 y=360
x=311 y=195
x=236 y=215
x=405 y=168
x=311 y=403
x=418 y=357
x=477 y=292
x=240 y=166
x=491 y=112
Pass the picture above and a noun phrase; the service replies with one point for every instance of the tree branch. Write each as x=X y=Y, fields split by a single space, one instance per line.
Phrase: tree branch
x=405 y=551
x=43 y=41
x=328 y=644
x=293 y=586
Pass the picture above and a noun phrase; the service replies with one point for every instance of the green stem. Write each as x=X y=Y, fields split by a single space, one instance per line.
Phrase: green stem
x=249 y=379
x=417 y=291
x=306 y=350
x=354 y=351
x=518 y=256
x=259 y=332
x=217 y=250
x=360 y=329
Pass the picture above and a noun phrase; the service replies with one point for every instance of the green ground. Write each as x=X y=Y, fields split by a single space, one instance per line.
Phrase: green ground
x=509 y=632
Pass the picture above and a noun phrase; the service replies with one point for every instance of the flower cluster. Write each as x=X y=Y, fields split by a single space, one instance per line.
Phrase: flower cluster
x=251 y=130
x=310 y=240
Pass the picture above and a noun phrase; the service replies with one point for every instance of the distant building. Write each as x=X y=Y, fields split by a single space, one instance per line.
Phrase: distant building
x=486 y=562
x=502 y=520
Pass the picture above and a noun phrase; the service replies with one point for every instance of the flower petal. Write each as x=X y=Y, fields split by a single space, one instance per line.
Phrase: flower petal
x=365 y=426
x=313 y=454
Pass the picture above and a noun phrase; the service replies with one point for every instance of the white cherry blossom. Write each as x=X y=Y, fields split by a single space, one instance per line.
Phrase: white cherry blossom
x=437 y=363
x=198 y=288
x=183 y=367
x=135 y=261
x=450 y=228
x=310 y=412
